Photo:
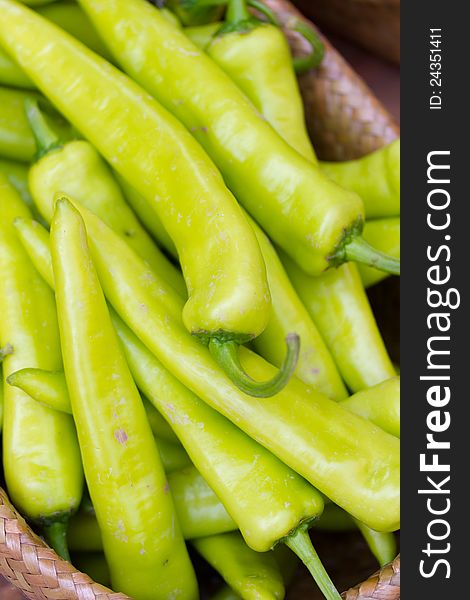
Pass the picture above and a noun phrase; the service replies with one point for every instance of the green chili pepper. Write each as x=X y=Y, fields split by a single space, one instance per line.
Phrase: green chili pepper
x=299 y=425
x=141 y=538
x=287 y=562
x=173 y=456
x=289 y=505
x=314 y=220
x=16 y=140
x=382 y=545
x=256 y=56
x=11 y=74
x=70 y=17
x=200 y=512
x=315 y=365
x=77 y=169
x=379 y=404
x=384 y=234
x=147 y=216
x=41 y=458
x=234 y=405
x=17 y=174
x=36 y=2
x=35 y=240
x=201 y=35
x=253 y=575
x=339 y=307
x=229 y=301
x=375 y=177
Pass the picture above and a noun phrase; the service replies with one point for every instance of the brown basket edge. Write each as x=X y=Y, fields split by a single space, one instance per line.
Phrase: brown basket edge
x=30 y=565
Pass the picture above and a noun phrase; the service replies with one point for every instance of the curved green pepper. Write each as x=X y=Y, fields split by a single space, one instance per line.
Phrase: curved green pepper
x=16 y=140
x=201 y=35
x=289 y=504
x=142 y=541
x=17 y=174
x=200 y=513
x=147 y=216
x=375 y=177
x=384 y=234
x=253 y=575
x=299 y=425
x=75 y=168
x=339 y=307
x=382 y=545
x=11 y=74
x=314 y=220
x=379 y=404
x=314 y=365
x=229 y=302
x=256 y=56
x=41 y=457
x=70 y=17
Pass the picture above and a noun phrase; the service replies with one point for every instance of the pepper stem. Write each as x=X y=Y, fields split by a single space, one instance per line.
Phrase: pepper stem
x=302 y=64
x=56 y=537
x=237 y=12
x=360 y=251
x=382 y=545
x=46 y=139
x=226 y=354
x=264 y=10
x=299 y=542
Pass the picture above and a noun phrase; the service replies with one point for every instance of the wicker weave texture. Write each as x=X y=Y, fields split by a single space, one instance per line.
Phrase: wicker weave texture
x=371 y=24
x=344 y=118
x=383 y=585
x=34 y=568
x=345 y=121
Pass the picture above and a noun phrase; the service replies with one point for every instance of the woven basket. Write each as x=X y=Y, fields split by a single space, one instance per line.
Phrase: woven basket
x=372 y=24
x=346 y=121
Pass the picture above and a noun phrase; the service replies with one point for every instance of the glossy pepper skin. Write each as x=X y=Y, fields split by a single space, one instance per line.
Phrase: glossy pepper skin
x=200 y=513
x=253 y=575
x=301 y=426
x=379 y=404
x=41 y=458
x=383 y=234
x=141 y=538
x=16 y=139
x=198 y=202
x=142 y=358
x=231 y=462
x=17 y=174
x=339 y=307
x=375 y=177
x=299 y=207
x=70 y=17
x=76 y=169
x=315 y=365
x=256 y=56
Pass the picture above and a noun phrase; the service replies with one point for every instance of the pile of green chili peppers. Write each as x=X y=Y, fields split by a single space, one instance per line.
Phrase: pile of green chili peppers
x=188 y=354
